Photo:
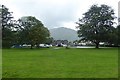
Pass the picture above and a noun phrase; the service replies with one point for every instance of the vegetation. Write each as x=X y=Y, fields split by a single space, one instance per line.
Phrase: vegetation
x=97 y=24
x=60 y=63
x=6 y=26
x=33 y=30
x=118 y=34
x=27 y=30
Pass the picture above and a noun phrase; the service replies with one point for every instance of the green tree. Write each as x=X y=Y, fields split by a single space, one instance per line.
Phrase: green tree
x=38 y=34
x=118 y=35
x=32 y=31
x=96 y=24
x=49 y=40
x=7 y=25
x=113 y=37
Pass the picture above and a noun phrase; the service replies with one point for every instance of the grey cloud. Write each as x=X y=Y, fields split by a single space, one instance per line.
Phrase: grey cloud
x=52 y=15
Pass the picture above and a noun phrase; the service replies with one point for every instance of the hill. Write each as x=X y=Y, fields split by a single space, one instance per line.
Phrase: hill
x=63 y=33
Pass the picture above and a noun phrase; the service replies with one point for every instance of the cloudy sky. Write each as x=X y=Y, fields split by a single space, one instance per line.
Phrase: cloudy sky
x=55 y=13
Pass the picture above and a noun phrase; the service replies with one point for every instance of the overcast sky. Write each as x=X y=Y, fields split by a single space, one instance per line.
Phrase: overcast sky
x=55 y=13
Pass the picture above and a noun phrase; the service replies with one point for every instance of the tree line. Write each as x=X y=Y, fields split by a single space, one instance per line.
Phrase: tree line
x=26 y=30
x=95 y=26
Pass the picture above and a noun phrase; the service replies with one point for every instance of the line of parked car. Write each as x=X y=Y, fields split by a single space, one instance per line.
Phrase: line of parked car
x=40 y=45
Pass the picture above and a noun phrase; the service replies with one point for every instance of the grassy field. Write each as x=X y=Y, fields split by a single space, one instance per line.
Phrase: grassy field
x=60 y=63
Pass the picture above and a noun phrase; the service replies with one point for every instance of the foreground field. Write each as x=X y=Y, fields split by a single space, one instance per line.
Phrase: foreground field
x=60 y=63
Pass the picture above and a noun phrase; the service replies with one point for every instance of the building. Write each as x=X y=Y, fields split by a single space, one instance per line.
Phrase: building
x=60 y=42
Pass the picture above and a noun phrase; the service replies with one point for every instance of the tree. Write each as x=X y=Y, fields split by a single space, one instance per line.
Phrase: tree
x=6 y=23
x=49 y=40
x=113 y=38
x=33 y=30
x=38 y=34
x=118 y=35
x=97 y=24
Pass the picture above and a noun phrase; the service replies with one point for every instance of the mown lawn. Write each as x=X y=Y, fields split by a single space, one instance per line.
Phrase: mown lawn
x=60 y=63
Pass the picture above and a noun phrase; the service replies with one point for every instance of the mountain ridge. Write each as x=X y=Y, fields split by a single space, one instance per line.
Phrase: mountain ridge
x=63 y=33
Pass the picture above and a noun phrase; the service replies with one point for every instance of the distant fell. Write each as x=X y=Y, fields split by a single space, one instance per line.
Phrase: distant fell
x=63 y=33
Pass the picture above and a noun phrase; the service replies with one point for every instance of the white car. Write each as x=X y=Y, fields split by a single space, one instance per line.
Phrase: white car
x=44 y=45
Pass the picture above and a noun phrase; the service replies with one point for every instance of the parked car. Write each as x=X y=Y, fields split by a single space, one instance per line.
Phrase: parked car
x=44 y=46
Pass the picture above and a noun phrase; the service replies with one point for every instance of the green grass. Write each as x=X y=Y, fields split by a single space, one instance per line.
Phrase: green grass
x=60 y=63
